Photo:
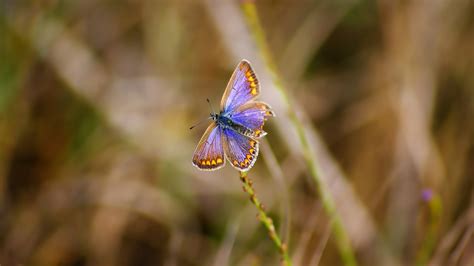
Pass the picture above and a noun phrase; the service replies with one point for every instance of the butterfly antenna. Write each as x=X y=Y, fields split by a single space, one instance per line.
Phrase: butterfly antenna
x=210 y=117
x=197 y=124
x=210 y=105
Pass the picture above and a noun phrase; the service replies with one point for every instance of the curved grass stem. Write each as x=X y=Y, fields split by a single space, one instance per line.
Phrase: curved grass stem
x=434 y=205
x=340 y=234
x=265 y=219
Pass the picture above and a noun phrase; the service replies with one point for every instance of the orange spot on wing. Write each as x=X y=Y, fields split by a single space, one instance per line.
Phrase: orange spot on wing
x=208 y=162
x=219 y=160
x=213 y=162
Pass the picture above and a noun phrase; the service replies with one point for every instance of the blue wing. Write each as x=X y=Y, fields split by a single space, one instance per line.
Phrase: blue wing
x=209 y=153
x=243 y=86
x=253 y=115
x=240 y=150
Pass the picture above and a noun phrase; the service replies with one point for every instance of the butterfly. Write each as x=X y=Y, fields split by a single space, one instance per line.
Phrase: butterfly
x=235 y=130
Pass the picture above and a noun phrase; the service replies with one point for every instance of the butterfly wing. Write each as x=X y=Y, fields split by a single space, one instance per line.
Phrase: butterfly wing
x=243 y=86
x=240 y=150
x=209 y=153
x=253 y=116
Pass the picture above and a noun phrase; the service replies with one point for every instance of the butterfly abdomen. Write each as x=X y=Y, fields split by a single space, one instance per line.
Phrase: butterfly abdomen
x=243 y=130
x=226 y=122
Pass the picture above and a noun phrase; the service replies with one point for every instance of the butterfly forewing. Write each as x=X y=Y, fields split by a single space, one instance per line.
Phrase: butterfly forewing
x=240 y=150
x=209 y=153
x=243 y=86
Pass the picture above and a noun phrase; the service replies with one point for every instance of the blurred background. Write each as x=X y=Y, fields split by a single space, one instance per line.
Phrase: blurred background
x=97 y=96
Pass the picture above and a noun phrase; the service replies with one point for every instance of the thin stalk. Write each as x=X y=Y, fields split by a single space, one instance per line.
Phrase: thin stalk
x=342 y=239
x=434 y=205
x=265 y=219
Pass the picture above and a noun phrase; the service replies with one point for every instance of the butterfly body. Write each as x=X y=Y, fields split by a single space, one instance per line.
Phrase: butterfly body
x=236 y=129
x=225 y=121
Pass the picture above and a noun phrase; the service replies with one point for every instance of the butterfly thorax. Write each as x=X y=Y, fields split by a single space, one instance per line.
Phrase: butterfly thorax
x=224 y=121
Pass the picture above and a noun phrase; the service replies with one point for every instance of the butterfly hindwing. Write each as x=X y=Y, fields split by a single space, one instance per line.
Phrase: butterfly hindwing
x=209 y=153
x=253 y=115
x=243 y=86
x=240 y=150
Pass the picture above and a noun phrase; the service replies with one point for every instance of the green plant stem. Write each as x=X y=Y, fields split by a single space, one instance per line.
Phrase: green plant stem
x=435 y=210
x=265 y=219
x=342 y=239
